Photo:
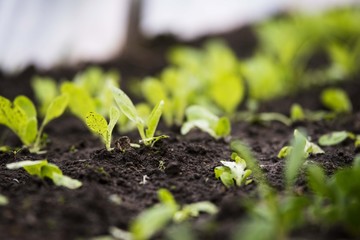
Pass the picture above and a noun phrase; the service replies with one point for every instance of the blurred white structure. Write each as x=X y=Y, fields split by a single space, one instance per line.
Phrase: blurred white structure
x=48 y=33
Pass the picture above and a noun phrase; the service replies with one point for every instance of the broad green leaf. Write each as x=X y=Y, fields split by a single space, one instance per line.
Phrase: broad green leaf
x=49 y=169
x=228 y=92
x=153 y=90
x=152 y=220
x=56 y=108
x=80 y=101
x=45 y=90
x=203 y=125
x=153 y=119
x=333 y=138
x=20 y=117
x=337 y=100
x=32 y=167
x=65 y=181
x=3 y=200
x=26 y=105
x=97 y=123
x=196 y=112
x=126 y=105
x=223 y=127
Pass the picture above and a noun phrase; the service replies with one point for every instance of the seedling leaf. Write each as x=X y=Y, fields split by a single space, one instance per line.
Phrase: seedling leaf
x=194 y=209
x=333 y=138
x=3 y=200
x=336 y=100
x=153 y=119
x=56 y=108
x=43 y=169
x=126 y=105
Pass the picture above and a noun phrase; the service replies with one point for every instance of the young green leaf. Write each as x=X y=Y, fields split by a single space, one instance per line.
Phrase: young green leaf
x=43 y=169
x=98 y=124
x=194 y=209
x=336 y=100
x=80 y=101
x=297 y=112
x=126 y=105
x=317 y=180
x=153 y=119
x=146 y=129
x=333 y=138
x=45 y=90
x=20 y=117
x=200 y=117
x=233 y=172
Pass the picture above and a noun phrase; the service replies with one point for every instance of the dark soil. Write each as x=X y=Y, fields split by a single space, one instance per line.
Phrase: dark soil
x=182 y=164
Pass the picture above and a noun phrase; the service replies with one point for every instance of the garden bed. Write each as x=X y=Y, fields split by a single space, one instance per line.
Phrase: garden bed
x=119 y=185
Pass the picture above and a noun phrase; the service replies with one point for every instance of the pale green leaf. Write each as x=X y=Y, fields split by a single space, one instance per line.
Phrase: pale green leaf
x=65 y=181
x=153 y=119
x=45 y=90
x=228 y=92
x=297 y=112
x=97 y=123
x=32 y=167
x=333 y=138
x=126 y=105
x=56 y=108
x=336 y=100
x=3 y=200
x=223 y=127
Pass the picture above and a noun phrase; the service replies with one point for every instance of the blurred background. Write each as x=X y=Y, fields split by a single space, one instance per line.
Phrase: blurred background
x=47 y=34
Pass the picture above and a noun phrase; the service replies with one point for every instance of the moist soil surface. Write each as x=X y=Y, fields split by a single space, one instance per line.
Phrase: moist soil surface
x=182 y=164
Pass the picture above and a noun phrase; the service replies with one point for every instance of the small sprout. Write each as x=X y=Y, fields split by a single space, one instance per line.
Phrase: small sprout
x=3 y=200
x=97 y=123
x=146 y=128
x=297 y=113
x=310 y=148
x=43 y=169
x=336 y=100
x=200 y=117
x=333 y=138
x=233 y=172
x=357 y=141
x=45 y=90
x=158 y=216
x=20 y=117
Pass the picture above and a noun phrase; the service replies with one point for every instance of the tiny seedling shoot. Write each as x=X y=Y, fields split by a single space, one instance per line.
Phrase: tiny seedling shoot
x=43 y=169
x=146 y=127
x=20 y=117
x=97 y=123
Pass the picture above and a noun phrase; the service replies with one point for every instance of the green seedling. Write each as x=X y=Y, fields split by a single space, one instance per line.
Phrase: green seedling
x=43 y=169
x=336 y=199
x=97 y=123
x=233 y=172
x=146 y=127
x=200 y=117
x=45 y=90
x=297 y=113
x=3 y=200
x=20 y=117
x=338 y=137
x=336 y=100
x=155 y=218
x=309 y=147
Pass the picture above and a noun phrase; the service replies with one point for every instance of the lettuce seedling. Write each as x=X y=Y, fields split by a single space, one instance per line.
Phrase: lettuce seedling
x=97 y=123
x=43 y=169
x=158 y=216
x=297 y=113
x=3 y=200
x=45 y=90
x=309 y=147
x=146 y=127
x=233 y=172
x=336 y=100
x=199 y=117
x=335 y=138
x=20 y=117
